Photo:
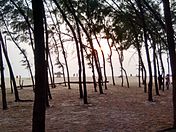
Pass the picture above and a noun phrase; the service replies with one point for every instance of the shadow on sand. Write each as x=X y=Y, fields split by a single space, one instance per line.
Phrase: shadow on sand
x=168 y=130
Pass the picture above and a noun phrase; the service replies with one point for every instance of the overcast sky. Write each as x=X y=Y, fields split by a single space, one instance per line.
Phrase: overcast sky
x=130 y=61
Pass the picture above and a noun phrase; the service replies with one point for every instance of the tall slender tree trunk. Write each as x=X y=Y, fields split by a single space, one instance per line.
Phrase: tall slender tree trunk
x=3 y=89
x=128 y=85
x=38 y=121
x=171 y=46
x=91 y=60
x=59 y=63
x=97 y=63
x=76 y=41
x=63 y=70
x=121 y=70
x=162 y=66
x=10 y=70
x=150 y=98
x=103 y=56
x=110 y=60
x=72 y=10
x=121 y=65
x=155 y=67
x=51 y=77
x=46 y=58
x=21 y=50
x=61 y=42
x=51 y=72
x=48 y=94
x=93 y=74
x=168 y=63
x=144 y=77
x=83 y=64
x=65 y=59
x=141 y=64
x=139 y=71
x=159 y=74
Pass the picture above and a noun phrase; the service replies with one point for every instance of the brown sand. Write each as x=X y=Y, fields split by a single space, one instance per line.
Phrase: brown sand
x=120 y=109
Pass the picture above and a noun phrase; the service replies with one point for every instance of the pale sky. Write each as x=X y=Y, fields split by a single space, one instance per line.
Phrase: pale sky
x=130 y=61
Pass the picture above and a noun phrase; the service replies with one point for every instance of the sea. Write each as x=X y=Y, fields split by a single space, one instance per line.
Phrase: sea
x=26 y=81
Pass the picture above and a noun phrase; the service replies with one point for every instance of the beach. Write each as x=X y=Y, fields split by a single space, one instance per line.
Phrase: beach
x=27 y=80
x=119 y=109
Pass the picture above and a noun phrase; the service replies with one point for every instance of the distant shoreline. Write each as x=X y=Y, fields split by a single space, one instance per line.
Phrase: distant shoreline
x=133 y=80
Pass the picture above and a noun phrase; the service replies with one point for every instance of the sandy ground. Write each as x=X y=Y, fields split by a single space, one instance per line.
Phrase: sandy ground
x=119 y=109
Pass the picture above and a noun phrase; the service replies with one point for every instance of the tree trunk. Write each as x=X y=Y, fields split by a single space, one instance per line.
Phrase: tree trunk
x=76 y=41
x=110 y=60
x=97 y=63
x=52 y=73
x=168 y=63
x=171 y=46
x=23 y=52
x=139 y=71
x=65 y=59
x=144 y=77
x=72 y=10
x=91 y=60
x=63 y=72
x=150 y=98
x=155 y=66
x=104 y=64
x=83 y=64
x=159 y=74
x=128 y=85
x=162 y=66
x=46 y=62
x=121 y=65
x=38 y=121
x=3 y=89
x=48 y=93
x=121 y=69
x=10 y=70
x=57 y=28
x=59 y=63
x=141 y=64
x=93 y=75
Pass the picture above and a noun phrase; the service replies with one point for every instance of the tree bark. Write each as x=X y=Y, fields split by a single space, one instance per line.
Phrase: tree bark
x=3 y=89
x=121 y=65
x=103 y=56
x=110 y=60
x=46 y=58
x=171 y=46
x=65 y=59
x=150 y=98
x=162 y=66
x=10 y=70
x=76 y=41
x=38 y=121
x=93 y=70
x=52 y=72
x=83 y=64
x=72 y=10
x=23 y=52
x=155 y=67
